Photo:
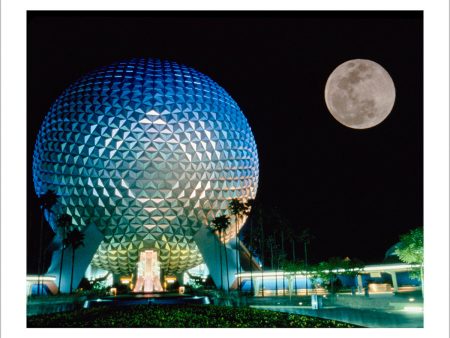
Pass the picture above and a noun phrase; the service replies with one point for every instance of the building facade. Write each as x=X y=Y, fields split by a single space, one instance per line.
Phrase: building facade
x=149 y=152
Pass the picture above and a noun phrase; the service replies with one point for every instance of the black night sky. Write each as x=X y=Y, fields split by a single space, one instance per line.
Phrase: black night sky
x=358 y=190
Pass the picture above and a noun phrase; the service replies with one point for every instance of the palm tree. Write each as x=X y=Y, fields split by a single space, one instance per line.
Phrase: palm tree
x=220 y=224
x=260 y=218
x=290 y=268
x=273 y=248
x=257 y=237
x=328 y=271
x=294 y=238
x=238 y=210
x=249 y=205
x=46 y=201
x=306 y=237
x=285 y=232
x=281 y=260
x=64 y=222
x=75 y=238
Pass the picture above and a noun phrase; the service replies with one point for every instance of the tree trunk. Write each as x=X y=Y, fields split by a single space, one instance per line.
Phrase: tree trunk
x=293 y=251
x=295 y=282
x=272 y=268
x=61 y=268
x=295 y=273
x=73 y=263
x=306 y=270
x=237 y=253
x=282 y=253
x=421 y=279
x=40 y=254
x=271 y=256
x=262 y=279
x=251 y=257
x=276 y=281
x=262 y=259
x=220 y=258
x=62 y=260
x=226 y=263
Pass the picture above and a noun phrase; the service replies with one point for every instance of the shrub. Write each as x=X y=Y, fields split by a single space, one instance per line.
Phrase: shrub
x=179 y=316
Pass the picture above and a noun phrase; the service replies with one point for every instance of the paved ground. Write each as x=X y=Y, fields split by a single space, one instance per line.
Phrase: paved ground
x=362 y=317
x=382 y=310
x=376 y=311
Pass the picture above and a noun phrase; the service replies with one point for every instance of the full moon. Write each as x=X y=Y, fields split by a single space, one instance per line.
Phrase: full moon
x=360 y=93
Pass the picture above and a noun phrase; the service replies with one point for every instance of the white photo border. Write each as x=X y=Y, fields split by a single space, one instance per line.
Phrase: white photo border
x=13 y=159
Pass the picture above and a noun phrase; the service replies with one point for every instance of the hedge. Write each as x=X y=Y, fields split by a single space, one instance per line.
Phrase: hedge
x=179 y=316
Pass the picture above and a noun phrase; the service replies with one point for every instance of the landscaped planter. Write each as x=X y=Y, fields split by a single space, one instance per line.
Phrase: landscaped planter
x=200 y=316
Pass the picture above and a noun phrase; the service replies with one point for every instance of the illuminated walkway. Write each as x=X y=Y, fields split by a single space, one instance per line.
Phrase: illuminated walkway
x=362 y=317
x=403 y=315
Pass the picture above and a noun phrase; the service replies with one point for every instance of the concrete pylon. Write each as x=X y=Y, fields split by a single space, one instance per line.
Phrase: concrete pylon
x=394 y=281
x=180 y=278
x=83 y=257
x=256 y=285
x=212 y=250
x=360 y=283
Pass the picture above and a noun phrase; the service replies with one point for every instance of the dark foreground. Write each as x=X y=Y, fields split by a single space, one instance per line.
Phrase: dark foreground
x=179 y=316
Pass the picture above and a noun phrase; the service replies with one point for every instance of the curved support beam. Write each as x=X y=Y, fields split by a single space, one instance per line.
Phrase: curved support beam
x=83 y=257
x=210 y=247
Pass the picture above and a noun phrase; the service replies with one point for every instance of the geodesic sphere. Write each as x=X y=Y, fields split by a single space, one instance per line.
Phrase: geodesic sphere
x=149 y=151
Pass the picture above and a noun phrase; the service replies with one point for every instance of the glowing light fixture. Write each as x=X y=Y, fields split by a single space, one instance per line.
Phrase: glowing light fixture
x=413 y=309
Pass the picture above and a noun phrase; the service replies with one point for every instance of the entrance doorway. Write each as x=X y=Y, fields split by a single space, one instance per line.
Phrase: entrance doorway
x=148 y=272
